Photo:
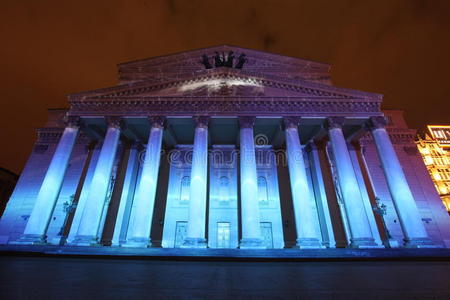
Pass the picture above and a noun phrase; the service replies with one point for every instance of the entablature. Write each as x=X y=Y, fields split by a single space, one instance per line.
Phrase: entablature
x=225 y=106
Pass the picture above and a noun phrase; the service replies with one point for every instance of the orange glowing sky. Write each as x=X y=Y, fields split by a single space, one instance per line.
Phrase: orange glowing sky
x=49 y=48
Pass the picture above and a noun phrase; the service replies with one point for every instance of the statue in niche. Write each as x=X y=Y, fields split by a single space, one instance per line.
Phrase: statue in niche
x=205 y=62
x=241 y=61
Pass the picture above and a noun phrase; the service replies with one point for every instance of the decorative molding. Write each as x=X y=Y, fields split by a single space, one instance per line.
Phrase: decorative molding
x=238 y=106
x=52 y=135
x=396 y=138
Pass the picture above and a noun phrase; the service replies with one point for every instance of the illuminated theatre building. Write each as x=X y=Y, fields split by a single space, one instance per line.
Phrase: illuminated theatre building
x=189 y=151
x=435 y=151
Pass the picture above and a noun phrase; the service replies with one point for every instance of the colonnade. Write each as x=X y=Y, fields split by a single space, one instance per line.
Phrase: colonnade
x=304 y=204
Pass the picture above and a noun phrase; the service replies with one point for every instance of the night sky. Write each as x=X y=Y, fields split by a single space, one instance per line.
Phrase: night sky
x=399 y=48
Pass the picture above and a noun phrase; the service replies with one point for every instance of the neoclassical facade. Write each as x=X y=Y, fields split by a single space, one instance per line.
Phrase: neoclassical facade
x=225 y=147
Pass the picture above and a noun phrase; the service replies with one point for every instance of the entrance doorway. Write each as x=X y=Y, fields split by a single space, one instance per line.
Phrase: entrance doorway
x=266 y=233
x=180 y=233
x=223 y=235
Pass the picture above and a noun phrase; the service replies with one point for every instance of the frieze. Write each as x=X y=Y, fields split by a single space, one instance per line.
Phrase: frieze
x=52 y=135
x=167 y=106
x=395 y=138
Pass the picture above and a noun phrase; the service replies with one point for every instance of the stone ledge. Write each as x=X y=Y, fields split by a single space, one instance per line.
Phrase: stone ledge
x=229 y=254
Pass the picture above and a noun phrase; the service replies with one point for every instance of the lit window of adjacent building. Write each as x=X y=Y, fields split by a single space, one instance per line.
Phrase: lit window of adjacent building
x=436 y=155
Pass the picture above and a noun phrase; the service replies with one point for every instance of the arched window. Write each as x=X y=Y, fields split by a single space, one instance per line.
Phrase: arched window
x=224 y=188
x=184 y=189
x=262 y=190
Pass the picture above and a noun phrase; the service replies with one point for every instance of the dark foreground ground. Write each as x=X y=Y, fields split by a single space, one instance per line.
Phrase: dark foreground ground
x=23 y=277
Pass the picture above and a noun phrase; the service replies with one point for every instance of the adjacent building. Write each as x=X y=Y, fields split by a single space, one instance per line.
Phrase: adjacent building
x=434 y=147
x=225 y=147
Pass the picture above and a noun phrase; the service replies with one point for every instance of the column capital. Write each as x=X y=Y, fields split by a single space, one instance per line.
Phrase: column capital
x=201 y=121
x=291 y=122
x=376 y=123
x=334 y=122
x=246 y=122
x=72 y=121
x=157 y=121
x=114 y=121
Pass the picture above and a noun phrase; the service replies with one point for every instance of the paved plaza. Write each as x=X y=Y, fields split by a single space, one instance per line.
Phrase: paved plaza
x=24 y=277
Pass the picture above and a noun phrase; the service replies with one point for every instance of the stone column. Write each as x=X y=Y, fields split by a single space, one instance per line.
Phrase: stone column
x=305 y=208
x=139 y=233
x=250 y=219
x=361 y=234
x=88 y=230
x=37 y=224
x=405 y=205
x=195 y=233
x=127 y=196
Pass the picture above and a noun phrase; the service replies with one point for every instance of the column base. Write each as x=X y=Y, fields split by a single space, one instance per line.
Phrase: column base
x=392 y=243
x=309 y=243
x=364 y=243
x=420 y=243
x=30 y=239
x=248 y=243
x=137 y=242
x=85 y=240
x=194 y=243
x=58 y=240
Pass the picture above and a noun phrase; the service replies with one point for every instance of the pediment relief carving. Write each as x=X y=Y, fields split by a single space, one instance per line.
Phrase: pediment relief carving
x=226 y=83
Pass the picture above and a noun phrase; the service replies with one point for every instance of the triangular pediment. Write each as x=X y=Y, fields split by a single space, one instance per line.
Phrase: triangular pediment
x=225 y=82
x=159 y=69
